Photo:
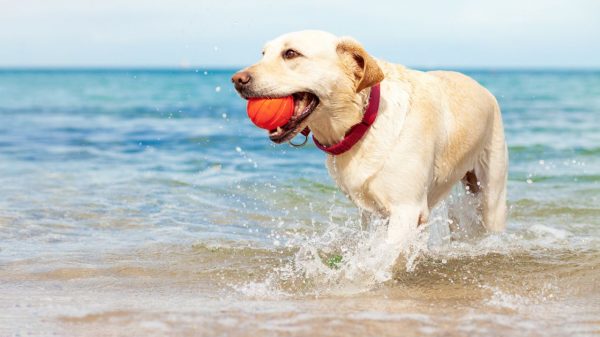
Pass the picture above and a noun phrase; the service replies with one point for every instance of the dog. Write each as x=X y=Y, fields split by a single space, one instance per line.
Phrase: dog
x=432 y=129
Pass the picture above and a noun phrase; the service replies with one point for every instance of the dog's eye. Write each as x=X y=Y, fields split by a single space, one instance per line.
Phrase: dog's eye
x=290 y=54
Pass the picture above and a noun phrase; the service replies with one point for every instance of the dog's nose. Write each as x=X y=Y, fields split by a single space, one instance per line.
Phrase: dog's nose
x=241 y=78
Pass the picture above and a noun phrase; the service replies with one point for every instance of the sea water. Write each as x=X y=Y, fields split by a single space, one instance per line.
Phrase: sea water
x=144 y=202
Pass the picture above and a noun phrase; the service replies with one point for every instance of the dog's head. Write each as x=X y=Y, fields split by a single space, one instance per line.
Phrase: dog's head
x=324 y=73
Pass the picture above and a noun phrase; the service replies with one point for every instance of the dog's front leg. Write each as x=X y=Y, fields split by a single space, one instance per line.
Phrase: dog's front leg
x=404 y=220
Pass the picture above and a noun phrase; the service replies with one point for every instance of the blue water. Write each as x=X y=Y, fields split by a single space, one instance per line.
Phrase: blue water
x=99 y=162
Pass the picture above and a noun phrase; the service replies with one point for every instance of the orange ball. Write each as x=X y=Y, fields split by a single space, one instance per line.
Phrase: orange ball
x=269 y=113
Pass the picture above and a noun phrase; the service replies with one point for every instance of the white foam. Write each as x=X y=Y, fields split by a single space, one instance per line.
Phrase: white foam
x=500 y=299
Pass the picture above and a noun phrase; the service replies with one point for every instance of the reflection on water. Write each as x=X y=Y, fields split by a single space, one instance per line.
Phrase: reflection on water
x=144 y=203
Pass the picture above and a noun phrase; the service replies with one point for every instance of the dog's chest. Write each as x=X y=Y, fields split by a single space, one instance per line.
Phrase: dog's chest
x=353 y=177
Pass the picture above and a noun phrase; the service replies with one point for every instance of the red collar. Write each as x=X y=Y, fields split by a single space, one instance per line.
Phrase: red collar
x=357 y=131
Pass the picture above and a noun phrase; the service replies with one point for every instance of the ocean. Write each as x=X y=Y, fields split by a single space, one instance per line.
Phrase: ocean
x=145 y=203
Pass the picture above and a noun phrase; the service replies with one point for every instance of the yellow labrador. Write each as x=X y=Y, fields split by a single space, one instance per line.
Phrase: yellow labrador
x=432 y=129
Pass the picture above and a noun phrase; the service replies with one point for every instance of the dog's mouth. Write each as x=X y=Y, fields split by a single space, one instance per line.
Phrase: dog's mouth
x=304 y=104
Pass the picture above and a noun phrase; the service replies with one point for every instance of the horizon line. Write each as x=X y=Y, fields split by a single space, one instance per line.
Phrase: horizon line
x=233 y=67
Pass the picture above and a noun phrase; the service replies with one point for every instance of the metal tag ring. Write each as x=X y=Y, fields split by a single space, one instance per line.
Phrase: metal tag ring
x=301 y=144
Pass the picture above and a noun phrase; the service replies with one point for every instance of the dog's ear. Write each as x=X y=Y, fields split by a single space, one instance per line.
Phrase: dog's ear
x=364 y=68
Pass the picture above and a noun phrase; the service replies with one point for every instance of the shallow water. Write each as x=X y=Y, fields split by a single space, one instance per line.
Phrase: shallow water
x=145 y=203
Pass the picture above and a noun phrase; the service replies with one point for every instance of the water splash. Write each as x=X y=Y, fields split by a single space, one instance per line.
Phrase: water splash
x=345 y=259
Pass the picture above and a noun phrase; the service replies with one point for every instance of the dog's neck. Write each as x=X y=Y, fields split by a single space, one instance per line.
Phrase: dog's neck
x=333 y=125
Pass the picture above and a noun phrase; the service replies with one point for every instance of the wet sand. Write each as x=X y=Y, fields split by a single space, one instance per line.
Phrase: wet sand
x=198 y=291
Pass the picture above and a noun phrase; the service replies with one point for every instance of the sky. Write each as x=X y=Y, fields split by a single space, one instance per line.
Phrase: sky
x=230 y=33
